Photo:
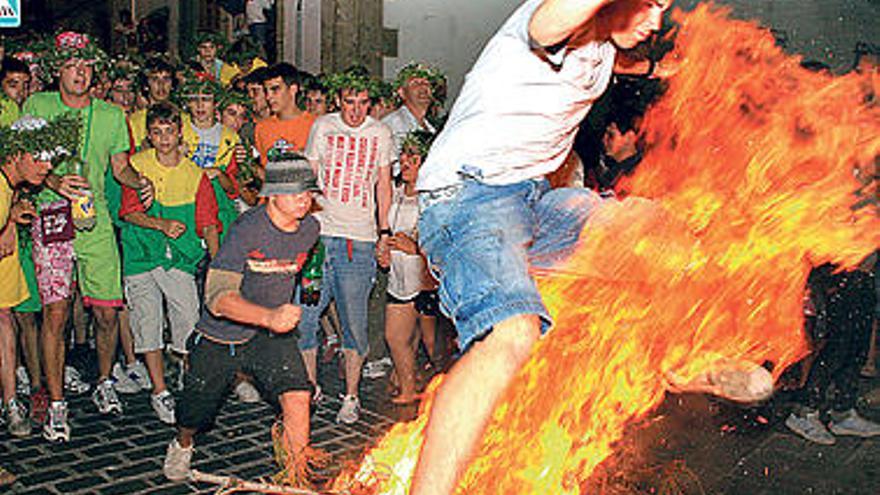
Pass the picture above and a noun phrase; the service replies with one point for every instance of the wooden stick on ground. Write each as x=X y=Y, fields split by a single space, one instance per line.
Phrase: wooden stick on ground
x=229 y=485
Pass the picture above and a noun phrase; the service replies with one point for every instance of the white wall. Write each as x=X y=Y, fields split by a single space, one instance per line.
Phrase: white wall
x=447 y=34
x=450 y=34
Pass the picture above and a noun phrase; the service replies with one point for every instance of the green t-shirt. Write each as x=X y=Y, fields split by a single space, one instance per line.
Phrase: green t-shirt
x=9 y=112
x=105 y=134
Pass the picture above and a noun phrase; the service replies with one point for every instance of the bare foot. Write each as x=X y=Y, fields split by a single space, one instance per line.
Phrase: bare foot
x=406 y=399
x=739 y=381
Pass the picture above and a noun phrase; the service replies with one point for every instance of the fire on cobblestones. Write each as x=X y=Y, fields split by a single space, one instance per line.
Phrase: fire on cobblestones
x=748 y=181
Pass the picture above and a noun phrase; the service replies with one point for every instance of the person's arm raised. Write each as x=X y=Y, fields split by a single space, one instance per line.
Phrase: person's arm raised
x=557 y=20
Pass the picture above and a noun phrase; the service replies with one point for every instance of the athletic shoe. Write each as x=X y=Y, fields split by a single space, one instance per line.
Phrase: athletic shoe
x=73 y=383
x=247 y=393
x=57 y=428
x=377 y=369
x=17 y=420
x=739 y=381
x=177 y=462
x=810 y=427
x=39 y=405
x=105 y=398
x=22 y=382
x=163 y=403
x=850 y=423
x=348 y=413
x=137 y=371
x=123 y=382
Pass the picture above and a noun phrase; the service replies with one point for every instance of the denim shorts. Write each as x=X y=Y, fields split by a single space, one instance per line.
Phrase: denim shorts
x=482 y=239
x=348 y=279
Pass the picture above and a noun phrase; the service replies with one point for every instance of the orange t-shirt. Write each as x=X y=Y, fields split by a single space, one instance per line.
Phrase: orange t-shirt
x=288 y=135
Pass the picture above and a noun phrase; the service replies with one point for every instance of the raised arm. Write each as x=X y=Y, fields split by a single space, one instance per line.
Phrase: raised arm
x=556 y=20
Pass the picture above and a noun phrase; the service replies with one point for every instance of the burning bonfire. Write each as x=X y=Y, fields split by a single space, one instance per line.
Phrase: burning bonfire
x=749 y=181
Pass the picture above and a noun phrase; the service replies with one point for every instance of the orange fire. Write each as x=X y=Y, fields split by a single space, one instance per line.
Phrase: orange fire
x=748 y=181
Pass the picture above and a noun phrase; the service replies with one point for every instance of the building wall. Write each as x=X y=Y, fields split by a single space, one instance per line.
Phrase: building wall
x=450 y=34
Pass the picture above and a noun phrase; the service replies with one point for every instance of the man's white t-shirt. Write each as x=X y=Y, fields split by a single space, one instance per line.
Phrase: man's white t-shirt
x=348 y=161
x=518 y=112
x=402 y=122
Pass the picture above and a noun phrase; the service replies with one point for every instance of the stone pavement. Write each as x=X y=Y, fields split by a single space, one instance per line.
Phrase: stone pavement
x=123 y=455
x=691 y=445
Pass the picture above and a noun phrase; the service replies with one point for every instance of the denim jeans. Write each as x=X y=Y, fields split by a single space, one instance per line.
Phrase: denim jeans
x=348 y=280
x=482 y=239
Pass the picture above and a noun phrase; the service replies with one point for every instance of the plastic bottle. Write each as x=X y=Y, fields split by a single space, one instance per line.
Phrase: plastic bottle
x=83 y=207
x=312 y=273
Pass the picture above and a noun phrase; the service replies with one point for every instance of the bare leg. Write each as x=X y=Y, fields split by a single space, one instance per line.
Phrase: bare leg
x=870 y=367
x=185 y=436
x=330 y=321
x=7 y=354
x=156 y=367
x=465 y=401
x=29 y=339
x=310 y=358
x=353 y=364
x=428 y=329
x=126 y=339
x=52 y=339
x=107 y=332
x=400 y=322
x=295 y=410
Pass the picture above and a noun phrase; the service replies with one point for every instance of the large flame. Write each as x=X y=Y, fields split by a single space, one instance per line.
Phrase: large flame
x=749 y=181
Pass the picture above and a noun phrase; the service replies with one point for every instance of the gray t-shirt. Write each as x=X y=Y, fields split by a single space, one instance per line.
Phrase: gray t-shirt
x=268 y=259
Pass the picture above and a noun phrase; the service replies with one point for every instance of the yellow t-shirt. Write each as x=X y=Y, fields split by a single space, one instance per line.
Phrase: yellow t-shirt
x=13 y=287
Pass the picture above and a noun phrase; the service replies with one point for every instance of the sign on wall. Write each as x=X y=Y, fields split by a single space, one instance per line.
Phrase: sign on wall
x=10 y=13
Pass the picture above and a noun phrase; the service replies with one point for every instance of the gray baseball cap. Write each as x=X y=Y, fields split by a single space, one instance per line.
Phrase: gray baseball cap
x=289 y=174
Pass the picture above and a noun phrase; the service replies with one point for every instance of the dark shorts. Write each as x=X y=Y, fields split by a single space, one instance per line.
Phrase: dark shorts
x=426 y=302
x=273 y=360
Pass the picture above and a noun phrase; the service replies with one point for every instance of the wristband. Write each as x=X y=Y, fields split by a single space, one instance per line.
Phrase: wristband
x=385 y=232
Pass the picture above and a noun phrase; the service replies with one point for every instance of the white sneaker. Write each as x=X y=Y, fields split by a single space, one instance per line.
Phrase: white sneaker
x=853 y=424
x=122 y=381
x=177 y=462
x=137 y=371
x=376 y=369
x=73 y=383
x=810 y=427
x=247 y=393
x=105 y=398
x=349 y=412
x=163 y=403
x=56 y=428
x=17 y=421
x=22 y=382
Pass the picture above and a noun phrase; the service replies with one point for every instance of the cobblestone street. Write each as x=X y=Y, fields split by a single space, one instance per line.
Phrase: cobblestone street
x=716 y=448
